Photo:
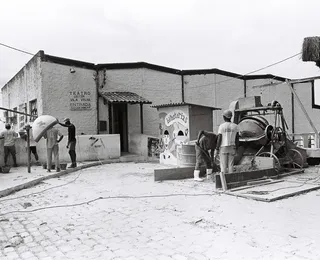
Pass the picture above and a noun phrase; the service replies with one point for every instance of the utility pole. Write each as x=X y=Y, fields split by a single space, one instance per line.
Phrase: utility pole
x=27 y=128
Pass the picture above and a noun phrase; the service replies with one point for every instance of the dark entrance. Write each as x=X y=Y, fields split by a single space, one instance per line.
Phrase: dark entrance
x=120 y=124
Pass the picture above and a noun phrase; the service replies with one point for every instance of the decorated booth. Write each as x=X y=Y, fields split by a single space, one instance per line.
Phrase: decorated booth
x=179 y=123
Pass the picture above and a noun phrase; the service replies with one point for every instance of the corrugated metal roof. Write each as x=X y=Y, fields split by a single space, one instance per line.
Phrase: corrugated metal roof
x=184 y=104
x=124 y=97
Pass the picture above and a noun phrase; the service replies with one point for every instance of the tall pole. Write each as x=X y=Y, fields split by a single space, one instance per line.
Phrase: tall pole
x=28 y=127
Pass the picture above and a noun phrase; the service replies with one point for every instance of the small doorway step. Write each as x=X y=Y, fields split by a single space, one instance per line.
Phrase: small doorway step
x=130 y=157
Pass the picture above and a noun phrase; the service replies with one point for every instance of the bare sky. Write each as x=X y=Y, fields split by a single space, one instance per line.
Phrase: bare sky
x=234 y=35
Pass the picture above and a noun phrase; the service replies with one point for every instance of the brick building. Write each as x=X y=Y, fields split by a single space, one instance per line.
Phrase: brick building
x=118 y=98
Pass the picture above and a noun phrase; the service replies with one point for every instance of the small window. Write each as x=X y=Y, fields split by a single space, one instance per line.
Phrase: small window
x=13 y=117
x=102 y=126
x=180 y=133
x=22 y=118
x=6 y=116
x=33 y=109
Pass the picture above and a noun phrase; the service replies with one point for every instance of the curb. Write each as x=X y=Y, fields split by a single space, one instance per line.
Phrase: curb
x=35 y=182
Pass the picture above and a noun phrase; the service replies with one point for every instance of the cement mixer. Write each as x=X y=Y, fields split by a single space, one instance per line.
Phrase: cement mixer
x=263 y=133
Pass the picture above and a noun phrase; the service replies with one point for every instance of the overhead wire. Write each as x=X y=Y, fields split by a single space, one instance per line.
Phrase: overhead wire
x=249 y=73
x=197 y=86
x=16 y=49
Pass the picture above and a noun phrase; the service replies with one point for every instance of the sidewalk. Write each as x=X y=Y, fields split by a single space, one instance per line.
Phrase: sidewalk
x=18 y=178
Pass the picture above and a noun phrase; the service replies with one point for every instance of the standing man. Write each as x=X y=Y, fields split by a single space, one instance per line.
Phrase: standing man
x=227 y=144
x=9 y=137
x=71 y=141
x=206 y=141
x=53 y=146
x=33 y=146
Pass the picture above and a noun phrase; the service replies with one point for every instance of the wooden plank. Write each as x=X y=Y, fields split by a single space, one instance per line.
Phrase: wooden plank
x=176 y=173
x=251 y=183
x=243 y=177
x=249 y=187
x=279 y=190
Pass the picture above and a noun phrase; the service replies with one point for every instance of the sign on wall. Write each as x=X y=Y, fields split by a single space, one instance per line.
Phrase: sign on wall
x=176 y=116
x=80 y=100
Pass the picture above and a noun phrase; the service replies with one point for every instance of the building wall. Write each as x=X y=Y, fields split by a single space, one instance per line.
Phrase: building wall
x=213 y=90
x=158 y=87
x=301 y=123
x=200 y=119
x=64 y=90
x=107 y=147
x=280 y=93
x=24 y=87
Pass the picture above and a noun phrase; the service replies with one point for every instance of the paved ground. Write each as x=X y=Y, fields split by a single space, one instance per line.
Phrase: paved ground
x=20 y=175
x=58 y=224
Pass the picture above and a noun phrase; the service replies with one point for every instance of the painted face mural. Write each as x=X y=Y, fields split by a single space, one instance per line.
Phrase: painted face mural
x=174 y=131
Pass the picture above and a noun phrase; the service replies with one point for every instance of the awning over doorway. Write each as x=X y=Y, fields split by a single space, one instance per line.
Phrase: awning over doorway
x=124 y=97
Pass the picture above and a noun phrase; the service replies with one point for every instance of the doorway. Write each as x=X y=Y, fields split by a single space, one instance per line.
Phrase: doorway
x=120 y=124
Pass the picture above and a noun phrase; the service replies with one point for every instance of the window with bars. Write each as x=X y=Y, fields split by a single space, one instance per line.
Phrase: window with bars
x=316 y=93
x=13 y=119
x=22 y=118
x=33 y=109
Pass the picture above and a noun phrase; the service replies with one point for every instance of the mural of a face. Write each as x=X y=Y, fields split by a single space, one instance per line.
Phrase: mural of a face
x=174 y=131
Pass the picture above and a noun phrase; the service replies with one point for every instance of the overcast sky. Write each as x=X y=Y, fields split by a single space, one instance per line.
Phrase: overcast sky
x=234 y=35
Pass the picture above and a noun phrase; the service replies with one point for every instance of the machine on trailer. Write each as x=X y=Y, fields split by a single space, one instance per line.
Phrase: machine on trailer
x=265 y=148
x=263 y=133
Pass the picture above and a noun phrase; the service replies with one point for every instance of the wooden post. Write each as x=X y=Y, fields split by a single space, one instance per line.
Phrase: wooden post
x=223 y=181
x=111 y=119
x=28 y=127
x=141 y=117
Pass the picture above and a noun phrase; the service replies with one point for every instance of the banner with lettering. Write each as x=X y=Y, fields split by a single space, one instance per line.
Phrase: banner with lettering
x=176 y=116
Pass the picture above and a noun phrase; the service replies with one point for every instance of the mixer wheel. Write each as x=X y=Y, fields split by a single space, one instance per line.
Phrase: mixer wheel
x=294 y=159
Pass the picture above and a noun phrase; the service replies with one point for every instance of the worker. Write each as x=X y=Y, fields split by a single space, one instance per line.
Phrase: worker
x=9 y=137
x=71 y=145
x=227 y=145
x=53 y=146
x=206 y=141
x=33 y=146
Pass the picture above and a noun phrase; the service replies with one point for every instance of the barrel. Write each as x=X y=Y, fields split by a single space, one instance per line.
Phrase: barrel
x=186 y=155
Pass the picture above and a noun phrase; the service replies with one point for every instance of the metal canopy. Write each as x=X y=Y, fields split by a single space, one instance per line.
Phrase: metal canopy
x=124 y=97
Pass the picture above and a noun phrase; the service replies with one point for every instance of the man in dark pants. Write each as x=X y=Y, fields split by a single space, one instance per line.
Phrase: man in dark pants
x=9 y=137
x=206 y=141
x=71 y=141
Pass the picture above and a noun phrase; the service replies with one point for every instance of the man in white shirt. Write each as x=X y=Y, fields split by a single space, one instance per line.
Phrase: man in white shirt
x=228 y=142
x=9 y=137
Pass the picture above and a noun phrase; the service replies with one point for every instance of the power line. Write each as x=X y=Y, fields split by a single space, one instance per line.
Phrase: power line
x=16 y=49
x=251 y=72
x=215 y=83
x=112 y=197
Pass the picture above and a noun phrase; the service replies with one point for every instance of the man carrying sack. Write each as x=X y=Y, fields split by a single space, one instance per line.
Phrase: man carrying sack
x=206 y=141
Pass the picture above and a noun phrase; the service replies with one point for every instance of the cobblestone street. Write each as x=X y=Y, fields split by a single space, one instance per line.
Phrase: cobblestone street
x=170 y=220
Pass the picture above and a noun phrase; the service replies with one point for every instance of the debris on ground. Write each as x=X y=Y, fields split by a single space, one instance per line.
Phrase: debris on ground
x=26 y=205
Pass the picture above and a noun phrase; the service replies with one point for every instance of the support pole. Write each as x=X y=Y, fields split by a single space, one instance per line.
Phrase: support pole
x=141 y=117
x=28 y=127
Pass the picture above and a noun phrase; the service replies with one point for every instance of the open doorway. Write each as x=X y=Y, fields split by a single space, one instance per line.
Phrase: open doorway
x=120 y=124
